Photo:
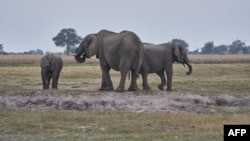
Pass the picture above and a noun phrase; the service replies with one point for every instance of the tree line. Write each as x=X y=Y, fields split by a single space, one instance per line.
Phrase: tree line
x=68 y=39
x=236 y=47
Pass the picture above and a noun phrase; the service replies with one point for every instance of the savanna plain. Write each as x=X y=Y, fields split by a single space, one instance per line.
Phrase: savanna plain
x=215 y=94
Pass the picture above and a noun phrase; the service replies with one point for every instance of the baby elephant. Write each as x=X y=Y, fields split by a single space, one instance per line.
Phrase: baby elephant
x=51 y=66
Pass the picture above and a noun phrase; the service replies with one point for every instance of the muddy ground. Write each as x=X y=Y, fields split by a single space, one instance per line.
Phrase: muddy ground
x=141 y=101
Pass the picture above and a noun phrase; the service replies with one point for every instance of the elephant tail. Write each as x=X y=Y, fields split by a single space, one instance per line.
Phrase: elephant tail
x=140 y=57
x=139 y=51
x=129 y=74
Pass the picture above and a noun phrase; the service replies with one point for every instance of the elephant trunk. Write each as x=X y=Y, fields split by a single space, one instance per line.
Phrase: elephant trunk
x=187 y=62
x=80 y=58
x=190 y=69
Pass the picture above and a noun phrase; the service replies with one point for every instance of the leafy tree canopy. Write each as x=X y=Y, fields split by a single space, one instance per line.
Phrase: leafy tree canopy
x=1 y=47
x=208 y=48
x=182 y=43
x=221 y=49
x=68 y=38
x=237 y=46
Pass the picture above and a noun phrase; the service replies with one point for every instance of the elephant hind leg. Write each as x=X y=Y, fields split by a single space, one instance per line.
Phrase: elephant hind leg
x=124 y=71
x=163 y=79
x=133 y=85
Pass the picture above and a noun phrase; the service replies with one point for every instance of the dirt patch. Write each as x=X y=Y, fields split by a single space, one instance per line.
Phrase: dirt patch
x=141 y=101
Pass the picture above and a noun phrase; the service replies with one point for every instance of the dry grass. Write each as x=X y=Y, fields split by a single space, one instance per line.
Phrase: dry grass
x=34 y=60
x=213 y=79
x=18 y=60
x=219 y=59
x=117 y=126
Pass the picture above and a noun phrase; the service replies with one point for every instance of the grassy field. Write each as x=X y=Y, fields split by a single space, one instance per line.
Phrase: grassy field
x=114 y=126
x=23 y=73
x=209 y=77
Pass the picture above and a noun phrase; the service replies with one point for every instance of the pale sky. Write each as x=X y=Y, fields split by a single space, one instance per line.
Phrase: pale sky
x=31 y=24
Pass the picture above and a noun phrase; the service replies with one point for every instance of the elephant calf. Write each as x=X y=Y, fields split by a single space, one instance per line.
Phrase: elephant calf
x=51 y=66
x=160 y=58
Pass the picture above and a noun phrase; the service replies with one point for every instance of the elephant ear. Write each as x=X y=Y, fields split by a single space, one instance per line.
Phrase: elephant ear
x=177 y=53
x=93 y=41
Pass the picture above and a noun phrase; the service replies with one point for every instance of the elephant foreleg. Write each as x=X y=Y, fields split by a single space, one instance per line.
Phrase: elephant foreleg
x=47 y=81
x=45 y=84
x=55 y=81
x=169 y=72
x=124 y=73
x=145 y=81
x=163 y=79
x=44 y=80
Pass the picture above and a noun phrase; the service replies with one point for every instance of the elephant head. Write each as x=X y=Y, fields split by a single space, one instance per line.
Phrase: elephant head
x=87 y=48
x=180 y=56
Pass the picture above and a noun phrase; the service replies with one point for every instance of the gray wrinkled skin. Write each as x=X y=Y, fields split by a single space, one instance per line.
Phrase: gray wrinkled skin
x=51 y=66
x=119 y=51
x=160 y=58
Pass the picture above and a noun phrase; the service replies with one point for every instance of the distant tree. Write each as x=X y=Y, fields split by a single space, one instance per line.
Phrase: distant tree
x=237 y=46
x=195 y=51
x=37 y=51
x=67 y=38
x=73 y=49
x=1 y=48
x=247 y=50
x=181 y=42
x=221 y=49
x=208 y=48
x=47 y=52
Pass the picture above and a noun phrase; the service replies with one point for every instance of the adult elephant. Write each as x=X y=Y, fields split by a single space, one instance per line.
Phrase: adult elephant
x=120 y=51
x=160 y=58
x=51 y=66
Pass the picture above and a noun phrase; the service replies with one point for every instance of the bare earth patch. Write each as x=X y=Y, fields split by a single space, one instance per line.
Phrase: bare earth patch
x=141 y=101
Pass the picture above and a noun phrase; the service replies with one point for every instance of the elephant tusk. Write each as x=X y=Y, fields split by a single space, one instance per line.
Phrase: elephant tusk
x=82 y=54
x=77 y=54
x=72 y=54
